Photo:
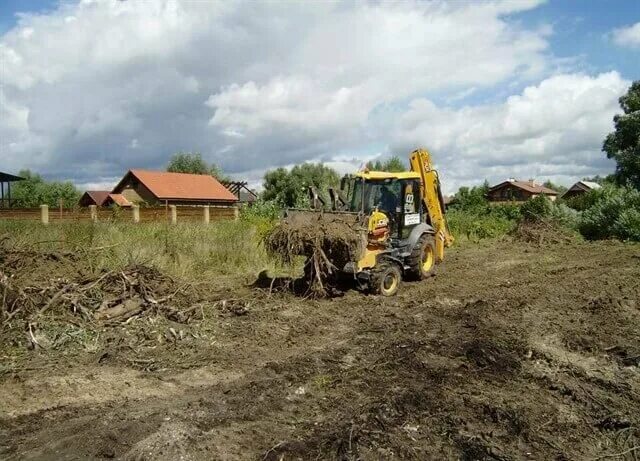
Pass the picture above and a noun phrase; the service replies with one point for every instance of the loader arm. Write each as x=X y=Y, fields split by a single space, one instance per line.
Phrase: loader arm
x=432 y=199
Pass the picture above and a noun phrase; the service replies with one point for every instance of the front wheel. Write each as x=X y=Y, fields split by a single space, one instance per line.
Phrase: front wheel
x=385 y=279
x=422 y=261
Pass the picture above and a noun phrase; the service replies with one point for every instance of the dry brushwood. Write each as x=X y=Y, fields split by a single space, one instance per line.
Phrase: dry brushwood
x=327 y=240
x=541 y=233
x=113 y=297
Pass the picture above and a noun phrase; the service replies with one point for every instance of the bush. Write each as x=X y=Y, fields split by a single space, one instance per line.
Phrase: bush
x=565 y=216
x=614 y=214
x=510 y=211
x=262 y=215
x=536 y=209
x=261 y=209
x=478 y=226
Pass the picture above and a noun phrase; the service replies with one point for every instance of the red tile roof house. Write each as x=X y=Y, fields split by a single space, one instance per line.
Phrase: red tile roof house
x=518 y=191
x=157 y=188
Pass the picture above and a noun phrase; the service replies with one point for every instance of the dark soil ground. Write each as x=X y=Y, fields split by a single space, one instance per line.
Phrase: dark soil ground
x=513 y=351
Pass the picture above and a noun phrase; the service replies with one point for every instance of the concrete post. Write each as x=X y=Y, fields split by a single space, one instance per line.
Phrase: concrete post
x=205 y=214
x=236 y=213
x=174 y=214
x=44 y=214
x=135 y=211
x=93 y=211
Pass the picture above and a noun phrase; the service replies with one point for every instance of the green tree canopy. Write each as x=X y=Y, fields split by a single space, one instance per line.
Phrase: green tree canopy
x=35 y=191
x=623 y=145
x=192 y=162
x=393 y=164
x=472 y=199
x=289 y=187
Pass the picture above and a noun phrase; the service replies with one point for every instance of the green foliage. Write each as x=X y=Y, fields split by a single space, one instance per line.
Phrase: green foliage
x=541 y=208
x=35 y=191
x=536 y=209
x=478 y=226
x=615 y=213
x=583 y=201
x=393 y=164
x=556 y=187
x=289 y=188
x=472 y=216
x=509 y=211
x=623 y=145
x=261 y=209
x=262 y=214
x=192 y=162
x=472 y=199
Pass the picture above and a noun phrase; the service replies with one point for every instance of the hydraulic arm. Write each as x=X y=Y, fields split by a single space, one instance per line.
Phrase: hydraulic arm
x=432 y=199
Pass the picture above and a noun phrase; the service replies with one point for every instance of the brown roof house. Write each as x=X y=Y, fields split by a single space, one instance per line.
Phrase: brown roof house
x=94 y=197
x=519 y=191
x=103 y=198
x=157 y=187
x=581 y=187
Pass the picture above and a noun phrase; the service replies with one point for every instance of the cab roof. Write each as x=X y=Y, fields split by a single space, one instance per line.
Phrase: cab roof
x=387 y=175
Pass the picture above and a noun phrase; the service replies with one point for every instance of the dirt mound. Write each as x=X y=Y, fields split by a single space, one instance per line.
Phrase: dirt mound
x=542 y=233
x=327 y=240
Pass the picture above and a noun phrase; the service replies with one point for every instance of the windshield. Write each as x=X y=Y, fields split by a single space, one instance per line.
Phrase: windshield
x=367 y=195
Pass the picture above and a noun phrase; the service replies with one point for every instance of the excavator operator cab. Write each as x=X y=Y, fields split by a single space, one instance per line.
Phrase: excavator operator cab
x=397 y=197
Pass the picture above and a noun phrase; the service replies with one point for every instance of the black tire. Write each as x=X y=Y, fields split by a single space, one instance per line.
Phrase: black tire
x=385 y=279
x=422 y=261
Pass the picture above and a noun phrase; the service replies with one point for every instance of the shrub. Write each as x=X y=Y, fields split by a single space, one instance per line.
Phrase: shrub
x=614 y=214
x=476 y=226
x=536 y=209
x=565 y=216
x=510 y=211
x=262 y=215
x=261 y=209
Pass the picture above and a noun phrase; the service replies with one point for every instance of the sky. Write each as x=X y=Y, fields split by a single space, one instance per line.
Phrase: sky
x=494 y=90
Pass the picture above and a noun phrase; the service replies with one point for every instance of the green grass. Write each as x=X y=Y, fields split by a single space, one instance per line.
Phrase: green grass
x=475 y=226
x=188 y=249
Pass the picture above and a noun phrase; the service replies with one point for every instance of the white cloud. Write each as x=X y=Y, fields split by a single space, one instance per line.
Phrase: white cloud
x=553 y=130
x=627 y=36
x=98 y=87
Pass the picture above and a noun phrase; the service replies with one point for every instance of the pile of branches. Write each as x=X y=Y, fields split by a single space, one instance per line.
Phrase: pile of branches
x=327 y=241
x=113 y=297
x=542 y=232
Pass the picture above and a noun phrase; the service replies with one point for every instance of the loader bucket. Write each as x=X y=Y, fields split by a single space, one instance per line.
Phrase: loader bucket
x=332 y=238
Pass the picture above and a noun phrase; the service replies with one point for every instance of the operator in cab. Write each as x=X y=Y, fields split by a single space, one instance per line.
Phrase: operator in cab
x=388 y=201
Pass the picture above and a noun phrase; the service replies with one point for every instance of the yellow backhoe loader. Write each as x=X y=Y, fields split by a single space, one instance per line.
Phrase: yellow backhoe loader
x=403 y=221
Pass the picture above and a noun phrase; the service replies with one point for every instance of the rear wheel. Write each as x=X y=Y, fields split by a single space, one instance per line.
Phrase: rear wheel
x=385 y=279
x=422 y=261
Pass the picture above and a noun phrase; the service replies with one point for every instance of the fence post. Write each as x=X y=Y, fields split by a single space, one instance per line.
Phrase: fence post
x=174 y=214
x=93 y=211
x=135 y=211
x=205 y=215
x=236 y=213
x=44 y=214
